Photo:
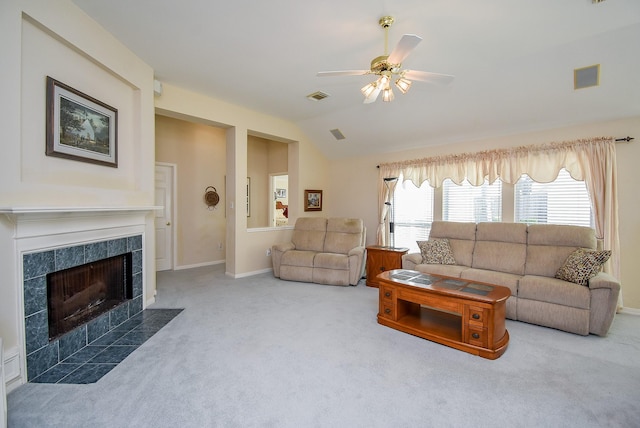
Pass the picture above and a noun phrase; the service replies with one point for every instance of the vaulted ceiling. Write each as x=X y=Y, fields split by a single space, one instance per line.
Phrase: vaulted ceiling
x=513 y=62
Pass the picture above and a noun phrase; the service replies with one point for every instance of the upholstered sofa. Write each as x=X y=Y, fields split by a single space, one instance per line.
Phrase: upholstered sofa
x=526 y=259
x=322 y=250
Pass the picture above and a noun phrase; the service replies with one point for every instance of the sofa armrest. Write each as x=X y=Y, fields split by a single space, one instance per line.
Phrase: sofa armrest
x=409 y=261
x=604 y=280
x=605 y=290
x=277 y=251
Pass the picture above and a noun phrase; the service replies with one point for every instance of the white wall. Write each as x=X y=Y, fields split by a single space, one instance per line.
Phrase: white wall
x=360 y=198
x=54 y=38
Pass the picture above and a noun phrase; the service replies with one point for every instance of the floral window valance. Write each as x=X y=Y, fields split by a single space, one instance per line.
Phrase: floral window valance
x=541 y=162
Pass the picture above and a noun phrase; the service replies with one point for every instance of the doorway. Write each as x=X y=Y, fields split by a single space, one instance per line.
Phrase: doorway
x=279 y=202
x=164 y=222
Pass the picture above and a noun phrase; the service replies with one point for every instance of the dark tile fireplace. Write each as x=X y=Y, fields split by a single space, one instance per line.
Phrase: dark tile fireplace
x=79 y=314
x=79 y=294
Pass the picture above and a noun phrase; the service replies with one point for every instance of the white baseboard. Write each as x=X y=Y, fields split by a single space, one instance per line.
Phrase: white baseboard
x=246 y=274
x=12 y=376
x=630 y=311
x=217 y=262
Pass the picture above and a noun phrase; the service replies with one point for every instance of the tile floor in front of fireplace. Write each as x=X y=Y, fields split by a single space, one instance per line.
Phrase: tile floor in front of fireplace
x=98 y=358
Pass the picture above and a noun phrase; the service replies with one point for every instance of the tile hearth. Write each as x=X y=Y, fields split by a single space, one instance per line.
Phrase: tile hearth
x=99 y=357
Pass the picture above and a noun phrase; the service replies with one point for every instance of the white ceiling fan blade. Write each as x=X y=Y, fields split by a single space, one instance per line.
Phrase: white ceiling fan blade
x=373 y=96
x=342 y=73
x=407 y=43
x=425 y=76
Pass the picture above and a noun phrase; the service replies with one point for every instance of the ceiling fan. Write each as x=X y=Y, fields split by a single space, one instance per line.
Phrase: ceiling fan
x=389 y=66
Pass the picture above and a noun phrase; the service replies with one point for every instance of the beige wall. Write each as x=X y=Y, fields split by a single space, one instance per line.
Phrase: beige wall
x=42 y=38
x=307 y=167
x=199 y=153
x=258 y=174
x=264 y=157
x=359 y=197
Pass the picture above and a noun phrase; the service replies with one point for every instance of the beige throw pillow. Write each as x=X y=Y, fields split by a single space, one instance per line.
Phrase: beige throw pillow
x=436 y=251
x=582 y=265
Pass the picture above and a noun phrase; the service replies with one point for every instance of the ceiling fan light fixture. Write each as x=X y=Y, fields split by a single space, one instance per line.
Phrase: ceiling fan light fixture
x=403 y=85
x=383 y=81
x=387 y=94
x=368 y=89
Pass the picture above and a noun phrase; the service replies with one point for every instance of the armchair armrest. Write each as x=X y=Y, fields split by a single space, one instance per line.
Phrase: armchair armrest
x=277 y=251
x=356 y=251
x=409 y=261
x=283 y=247
x=356 y=262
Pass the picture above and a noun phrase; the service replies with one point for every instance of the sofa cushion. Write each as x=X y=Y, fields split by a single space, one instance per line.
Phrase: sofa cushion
x=553 y=290
x=309 y=233
x=549 y=245
x=343 y=234
x=501 y=247
x=462 y=238
x=436 y=250
x=298 y=258
x=559 y=234
x=504 y=279
x=438 y=269
x=331 y=261
x=545 y=260
x=582 y=265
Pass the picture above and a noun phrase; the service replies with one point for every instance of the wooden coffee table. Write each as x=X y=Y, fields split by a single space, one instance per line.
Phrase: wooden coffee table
x=465 y=315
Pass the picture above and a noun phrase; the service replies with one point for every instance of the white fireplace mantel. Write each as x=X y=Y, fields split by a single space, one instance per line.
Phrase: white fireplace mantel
x=45 y=228
x=38 y=221
x=32 y=222
x=28 y=211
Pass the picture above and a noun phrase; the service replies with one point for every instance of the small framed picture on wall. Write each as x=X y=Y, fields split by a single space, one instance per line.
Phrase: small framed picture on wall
x=313 y=200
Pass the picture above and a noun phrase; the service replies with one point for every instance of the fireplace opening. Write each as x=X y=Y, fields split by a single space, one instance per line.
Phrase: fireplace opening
x=82 y=293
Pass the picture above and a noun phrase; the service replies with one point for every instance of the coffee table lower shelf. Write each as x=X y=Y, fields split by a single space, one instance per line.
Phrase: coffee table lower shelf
x=443 y=328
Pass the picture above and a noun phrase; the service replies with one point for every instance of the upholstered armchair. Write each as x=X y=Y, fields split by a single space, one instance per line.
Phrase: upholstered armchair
x=325 y=251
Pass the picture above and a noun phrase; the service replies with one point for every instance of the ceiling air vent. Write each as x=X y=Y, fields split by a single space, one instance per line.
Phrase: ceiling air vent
x=317 y=96
x=337 y=134
x=586 y=77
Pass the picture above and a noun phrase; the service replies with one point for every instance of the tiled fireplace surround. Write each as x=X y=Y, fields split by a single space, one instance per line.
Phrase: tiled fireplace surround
x=43 y=354
x=48 y=240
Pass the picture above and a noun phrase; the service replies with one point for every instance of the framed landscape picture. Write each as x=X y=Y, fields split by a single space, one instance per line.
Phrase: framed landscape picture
x=313 y=200
x=80 y=127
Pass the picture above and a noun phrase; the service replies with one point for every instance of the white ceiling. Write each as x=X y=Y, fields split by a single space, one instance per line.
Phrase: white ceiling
x=513 y=61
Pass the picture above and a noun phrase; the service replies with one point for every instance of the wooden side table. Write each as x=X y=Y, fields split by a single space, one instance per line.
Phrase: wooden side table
x=380 y=259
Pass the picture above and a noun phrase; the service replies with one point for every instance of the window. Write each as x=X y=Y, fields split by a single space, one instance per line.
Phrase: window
x=411 y=214
x=563 y=201
x=471 y=203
